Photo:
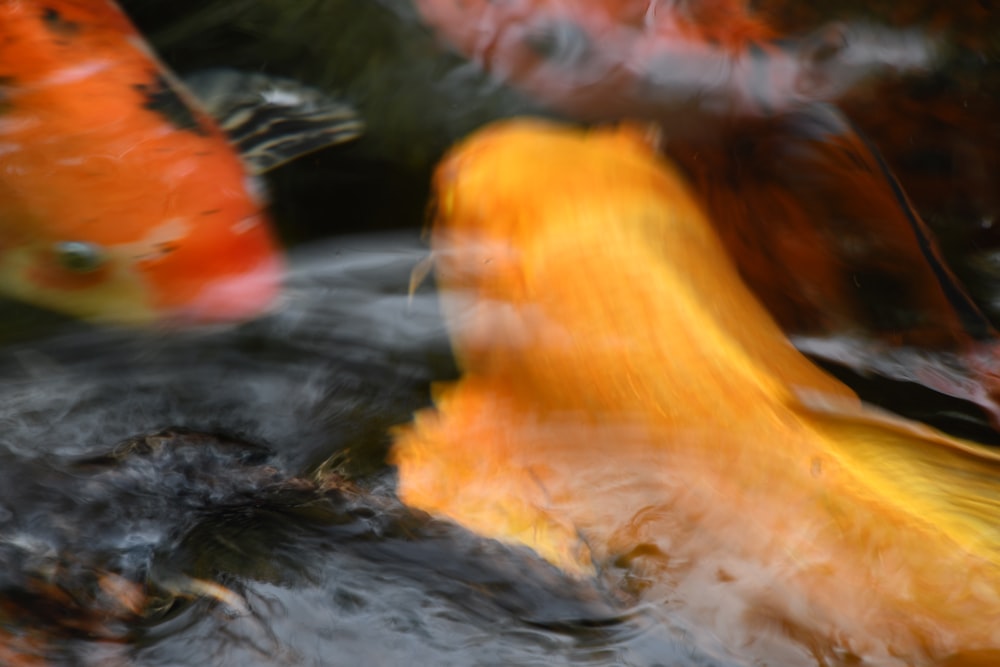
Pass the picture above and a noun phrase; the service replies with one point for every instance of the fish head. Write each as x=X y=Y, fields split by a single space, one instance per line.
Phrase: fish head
x=516 y=178
x=530 y=215
x=553 y=245
x=195 y=249
x=121 y=198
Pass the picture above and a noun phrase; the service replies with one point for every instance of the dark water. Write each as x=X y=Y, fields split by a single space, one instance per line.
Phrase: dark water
x=158 y=497
x=177 y=472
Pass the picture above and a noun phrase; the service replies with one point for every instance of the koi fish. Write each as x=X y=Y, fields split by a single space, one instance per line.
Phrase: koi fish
x=817 y=222
x=688 y=64
x=824 y=234
x=122 y=199
x=948 y=171
x=628 y=408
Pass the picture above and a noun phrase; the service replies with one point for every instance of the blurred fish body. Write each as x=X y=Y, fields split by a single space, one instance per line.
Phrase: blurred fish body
x=121 y=198
x=692 y=63
x=628 y=407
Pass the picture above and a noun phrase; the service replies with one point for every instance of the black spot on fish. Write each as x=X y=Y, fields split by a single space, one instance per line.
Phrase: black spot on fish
x=161 y=98
x=55 y=22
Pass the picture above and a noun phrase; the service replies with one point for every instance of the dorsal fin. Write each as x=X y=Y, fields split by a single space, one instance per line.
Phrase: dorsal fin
x=272 y=120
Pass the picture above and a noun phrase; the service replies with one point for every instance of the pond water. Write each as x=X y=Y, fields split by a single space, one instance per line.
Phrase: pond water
x=97 y=479
x=160 y=502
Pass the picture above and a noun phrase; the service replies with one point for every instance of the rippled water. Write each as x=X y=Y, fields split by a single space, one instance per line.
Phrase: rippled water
x=313 y=572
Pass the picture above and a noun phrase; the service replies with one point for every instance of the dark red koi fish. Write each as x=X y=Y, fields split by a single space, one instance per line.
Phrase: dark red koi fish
x=940 y=132
x=824 y=234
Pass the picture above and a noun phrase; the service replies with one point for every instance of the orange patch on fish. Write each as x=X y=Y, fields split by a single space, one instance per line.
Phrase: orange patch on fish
x=627 y=407
x=120 y=199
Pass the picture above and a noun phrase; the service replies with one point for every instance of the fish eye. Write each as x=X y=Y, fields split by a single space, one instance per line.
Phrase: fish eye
x=79 y=256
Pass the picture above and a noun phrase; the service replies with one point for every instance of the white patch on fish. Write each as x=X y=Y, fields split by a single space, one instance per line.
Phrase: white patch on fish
x=279 y=97
x=76 y=73
x=179 y=170
x=246 y=224
x=17 y=125
x=16 y=170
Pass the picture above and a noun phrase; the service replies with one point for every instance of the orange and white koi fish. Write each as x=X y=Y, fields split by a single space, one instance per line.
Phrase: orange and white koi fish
x=686 y=63
x=627 y=406
x=121 y=199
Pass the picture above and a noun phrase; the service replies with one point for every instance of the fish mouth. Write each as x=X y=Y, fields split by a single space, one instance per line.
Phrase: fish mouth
x=233 y=299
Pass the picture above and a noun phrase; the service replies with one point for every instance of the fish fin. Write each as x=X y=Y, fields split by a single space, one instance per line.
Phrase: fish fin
x=181 y=585
x=272 y=120
x=952 y=483
x=420 y=271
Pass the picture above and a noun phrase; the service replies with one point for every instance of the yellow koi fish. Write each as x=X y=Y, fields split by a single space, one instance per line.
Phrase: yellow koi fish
x=628 y=408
